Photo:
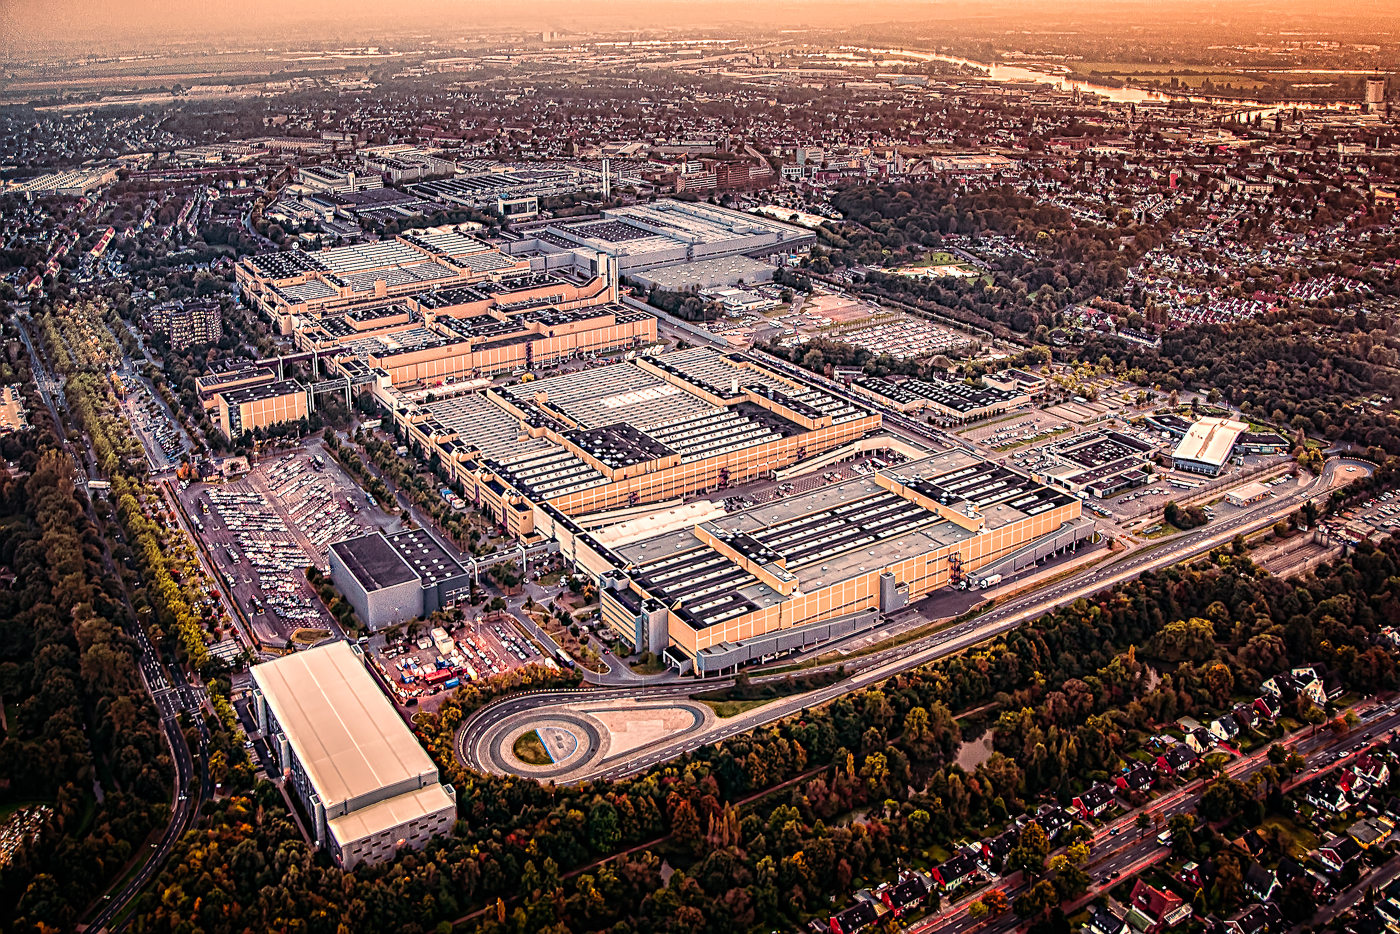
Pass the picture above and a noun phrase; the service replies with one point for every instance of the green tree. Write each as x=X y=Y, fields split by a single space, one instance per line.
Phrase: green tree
x=1031 y=849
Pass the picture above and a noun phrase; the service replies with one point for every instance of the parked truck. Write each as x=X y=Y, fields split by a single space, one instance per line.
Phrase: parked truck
x=991 y=580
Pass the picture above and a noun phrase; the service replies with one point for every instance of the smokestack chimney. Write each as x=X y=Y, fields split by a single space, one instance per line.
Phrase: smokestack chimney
x=607 y=179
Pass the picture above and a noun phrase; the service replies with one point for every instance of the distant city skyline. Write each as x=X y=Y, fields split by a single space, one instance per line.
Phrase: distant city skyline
x=151 y=24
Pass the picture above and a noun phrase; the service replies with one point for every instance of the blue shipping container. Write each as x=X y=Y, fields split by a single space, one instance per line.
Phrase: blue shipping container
x=452 y=683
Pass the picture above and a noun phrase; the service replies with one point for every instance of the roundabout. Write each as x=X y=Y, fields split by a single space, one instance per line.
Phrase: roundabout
x=573 y=741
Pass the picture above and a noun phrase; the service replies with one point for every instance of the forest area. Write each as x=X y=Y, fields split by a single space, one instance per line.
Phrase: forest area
x=81 y=735
x=872 y=778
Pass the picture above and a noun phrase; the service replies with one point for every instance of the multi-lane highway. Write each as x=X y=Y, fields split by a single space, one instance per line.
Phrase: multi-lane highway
x=876 y=667
x=173 y=694
x=170 y=690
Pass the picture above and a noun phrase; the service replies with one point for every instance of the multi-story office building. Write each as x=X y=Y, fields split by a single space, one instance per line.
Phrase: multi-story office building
x=293 y=288
x=188 y=323
x=335 y=181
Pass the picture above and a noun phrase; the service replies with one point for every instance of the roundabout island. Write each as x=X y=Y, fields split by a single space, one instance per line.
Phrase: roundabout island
x=565 y=743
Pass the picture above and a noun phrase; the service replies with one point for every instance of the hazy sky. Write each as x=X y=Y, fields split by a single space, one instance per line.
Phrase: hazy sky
x=27 y=26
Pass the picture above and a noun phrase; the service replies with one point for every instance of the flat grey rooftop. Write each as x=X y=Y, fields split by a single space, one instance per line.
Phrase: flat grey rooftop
x=374 y=562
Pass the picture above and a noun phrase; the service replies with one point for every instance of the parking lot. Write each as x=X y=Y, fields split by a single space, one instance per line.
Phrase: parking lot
x=906 y=337
x=420 y=663
x=159 y=434
x=263 y=530
x=1378 y=515
x=1017 y=432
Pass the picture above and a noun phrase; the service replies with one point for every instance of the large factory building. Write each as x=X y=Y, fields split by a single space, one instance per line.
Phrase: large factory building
x=800 y=571
x=653 y=429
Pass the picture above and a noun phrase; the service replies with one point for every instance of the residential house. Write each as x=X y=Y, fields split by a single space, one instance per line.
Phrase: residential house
x=909 y=892
x=1199 y=740
x=1324 y=793
x=954 y=871
x=974 y=852
x=1387 y=903
x=1246 y=716
x=1388 y=910
x=1177 y=759
x=1313 y=682
x=1253 y=843
x=994 y=849
x=1372 y=769
x=1104 y=920
x=1137 y=778
x=1052 y=819
x=1289 y=684
x=1225 y=728
x=1281 y=687
x=858 y=917
x=1267 y=707
x=1256 y=919
x=1151 y=910
x=1353 y=786
x=1261 y=884
x=1373 y=831
x=1336 y=853
x=1094 y=800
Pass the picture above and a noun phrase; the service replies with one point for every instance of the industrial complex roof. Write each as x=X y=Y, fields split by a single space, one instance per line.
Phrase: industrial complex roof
x=1210 y=441
x=345 y=732
x=828 y=535
x=425 y=555
x=389 y=813
x=375 y=563
x=263 y=391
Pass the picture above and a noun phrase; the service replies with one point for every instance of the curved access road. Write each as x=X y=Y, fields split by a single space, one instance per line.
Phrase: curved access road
x=476 y=750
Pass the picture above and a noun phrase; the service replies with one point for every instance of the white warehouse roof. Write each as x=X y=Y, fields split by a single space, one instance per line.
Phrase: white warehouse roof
x=346 y=734
x=1210 y=440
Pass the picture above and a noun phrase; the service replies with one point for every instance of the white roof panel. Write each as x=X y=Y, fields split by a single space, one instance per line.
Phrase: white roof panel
x=345 y=732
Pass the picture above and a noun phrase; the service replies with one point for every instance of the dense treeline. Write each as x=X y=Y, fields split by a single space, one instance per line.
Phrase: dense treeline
x=167 y=571
x=1315 y=377
x=875 y=776
x=1058 y=260
x=80 y=731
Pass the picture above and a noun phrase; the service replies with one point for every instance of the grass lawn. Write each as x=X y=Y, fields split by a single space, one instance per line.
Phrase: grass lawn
x=732 y=708
x=310 y=636
x=648 y=665
x=1220 y=759
x=1301 y=840
x=528 y=748
x=1250 y=743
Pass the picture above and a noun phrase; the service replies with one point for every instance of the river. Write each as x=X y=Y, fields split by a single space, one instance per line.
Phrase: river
x=1120 y=95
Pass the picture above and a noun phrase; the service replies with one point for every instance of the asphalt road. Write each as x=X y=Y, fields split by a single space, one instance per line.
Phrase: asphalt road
x=877 y=667
x=170 y=691
x=1118 y=850
x=172 y=694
